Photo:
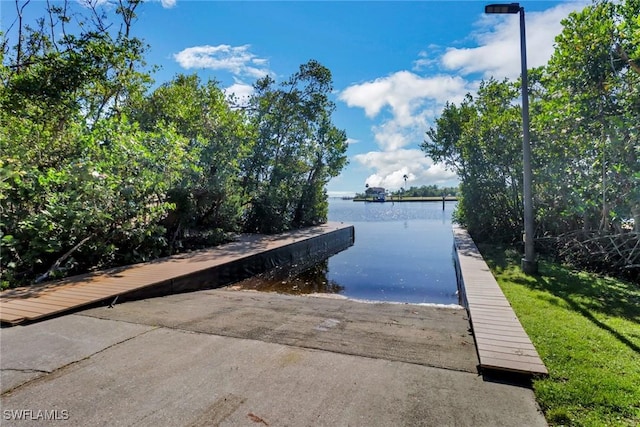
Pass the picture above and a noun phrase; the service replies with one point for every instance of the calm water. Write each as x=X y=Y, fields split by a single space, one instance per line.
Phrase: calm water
x=402 y=253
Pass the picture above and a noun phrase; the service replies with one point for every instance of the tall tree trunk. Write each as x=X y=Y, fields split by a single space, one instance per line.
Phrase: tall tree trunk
x=635 y=211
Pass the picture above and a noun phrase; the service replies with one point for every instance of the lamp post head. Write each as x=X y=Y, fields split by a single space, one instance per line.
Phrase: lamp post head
x=502 y=8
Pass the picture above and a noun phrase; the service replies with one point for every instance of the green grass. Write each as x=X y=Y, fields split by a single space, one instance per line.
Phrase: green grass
x=586 y=329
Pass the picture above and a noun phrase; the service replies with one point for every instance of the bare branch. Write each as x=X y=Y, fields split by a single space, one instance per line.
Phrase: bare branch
x=20 y=11
x=56 y=266
x=52 y=26
x=625 y=56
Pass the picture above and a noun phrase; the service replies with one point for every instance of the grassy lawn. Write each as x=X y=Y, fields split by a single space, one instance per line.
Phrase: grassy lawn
x=586 y=329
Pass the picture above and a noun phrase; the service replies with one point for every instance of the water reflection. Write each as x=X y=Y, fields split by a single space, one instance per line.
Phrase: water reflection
x=314 y=279
x=402 y=253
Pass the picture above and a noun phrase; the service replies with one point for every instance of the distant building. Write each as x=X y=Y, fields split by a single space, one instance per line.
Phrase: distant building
x=377 y=193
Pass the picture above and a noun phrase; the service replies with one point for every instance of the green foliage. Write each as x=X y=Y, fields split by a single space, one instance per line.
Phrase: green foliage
x=207 y=195
x=296 y=151
x=585 y=329
x=480 y=141
x=426 y=191
x=103 y=201
x=588 y=124
x=82 y=186
x=97 y=171
x=585 y=129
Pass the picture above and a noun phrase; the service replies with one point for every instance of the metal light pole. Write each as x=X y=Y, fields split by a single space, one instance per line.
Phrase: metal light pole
x=529 y=263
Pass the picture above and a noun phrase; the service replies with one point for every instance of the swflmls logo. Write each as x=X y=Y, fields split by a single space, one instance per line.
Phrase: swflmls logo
x=35 y=415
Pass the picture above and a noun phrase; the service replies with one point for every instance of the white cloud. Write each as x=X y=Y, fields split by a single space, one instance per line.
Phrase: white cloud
x=167 y=4
x=412 y=100
x=498 y=39
x=351 y=141
x=402 y=91
x=391 y=136
x=237 y=60
x=95 y=3
x=415 y=100
x=427 y=58
x=240 y=91
x=391 y=166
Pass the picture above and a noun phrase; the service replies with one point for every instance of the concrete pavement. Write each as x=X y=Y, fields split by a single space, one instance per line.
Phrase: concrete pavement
x=229 y=357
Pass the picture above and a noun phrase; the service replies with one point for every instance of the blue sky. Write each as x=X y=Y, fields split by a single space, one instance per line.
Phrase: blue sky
x=394 y=64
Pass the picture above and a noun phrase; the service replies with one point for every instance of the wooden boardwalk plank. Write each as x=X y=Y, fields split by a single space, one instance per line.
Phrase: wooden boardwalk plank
x=507 y=353
x=12 y=316
x=501 y=341
x=508 y=344
x=517 y=339
x=73 y=300
x=37 y=302
x=62 y=300
x=23 y=311
x=31 y=303
x=514 y=366
x=480 y=301
x=87 y=292
x=496 y=322
x=493 y=312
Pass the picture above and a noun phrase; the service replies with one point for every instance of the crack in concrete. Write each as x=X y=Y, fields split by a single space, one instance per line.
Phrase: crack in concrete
x=26 y=370
x=59 y=368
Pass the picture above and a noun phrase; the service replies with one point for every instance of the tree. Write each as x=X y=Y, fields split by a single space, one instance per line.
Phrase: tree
x=480 y=141
x=96 y=171
x=588 y=126
x=425 y=191
x=82 y=186
x=591 y=111
x=296 y=151
x=585 y=114
x=208 y=193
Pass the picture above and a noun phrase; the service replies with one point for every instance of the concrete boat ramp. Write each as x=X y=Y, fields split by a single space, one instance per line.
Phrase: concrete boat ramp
x=243 y=358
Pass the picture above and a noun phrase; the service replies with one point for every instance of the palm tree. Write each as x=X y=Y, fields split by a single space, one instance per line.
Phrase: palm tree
x=405 y=182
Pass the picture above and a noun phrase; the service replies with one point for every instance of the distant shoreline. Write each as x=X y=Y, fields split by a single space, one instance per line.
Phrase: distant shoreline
x=408 y=199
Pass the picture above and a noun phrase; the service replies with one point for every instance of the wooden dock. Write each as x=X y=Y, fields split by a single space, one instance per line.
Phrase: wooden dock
x=501 y=341
x=219 y=266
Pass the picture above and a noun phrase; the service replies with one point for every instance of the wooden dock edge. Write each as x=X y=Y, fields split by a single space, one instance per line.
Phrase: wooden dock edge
x=502 y=343
x=205 y=269
x=307 y=251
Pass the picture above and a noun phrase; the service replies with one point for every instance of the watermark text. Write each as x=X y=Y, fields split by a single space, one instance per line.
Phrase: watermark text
x=35 y=414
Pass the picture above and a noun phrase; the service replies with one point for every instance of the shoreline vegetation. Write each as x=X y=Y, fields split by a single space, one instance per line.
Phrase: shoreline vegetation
x=103 y=167
x=585 y=154
x=406 y=199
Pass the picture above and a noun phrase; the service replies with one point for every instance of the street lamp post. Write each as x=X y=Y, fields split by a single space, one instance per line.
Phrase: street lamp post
x=529 y=263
